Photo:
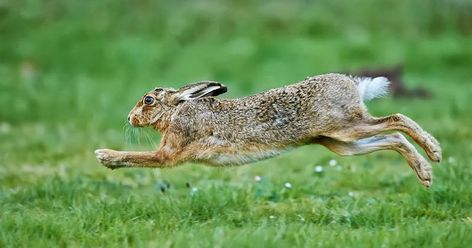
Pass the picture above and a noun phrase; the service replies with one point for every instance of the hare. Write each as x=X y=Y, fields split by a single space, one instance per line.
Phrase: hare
x=327 y=109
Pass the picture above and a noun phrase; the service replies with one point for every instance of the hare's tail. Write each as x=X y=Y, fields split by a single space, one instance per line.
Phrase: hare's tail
x=370 y=88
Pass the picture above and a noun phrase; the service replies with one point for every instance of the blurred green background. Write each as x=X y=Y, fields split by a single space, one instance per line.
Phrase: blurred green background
x=71 y=70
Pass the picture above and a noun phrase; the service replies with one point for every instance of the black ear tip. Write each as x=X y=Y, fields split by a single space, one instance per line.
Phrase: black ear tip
x=224 y=89
x=212 y=84
x=221 y=88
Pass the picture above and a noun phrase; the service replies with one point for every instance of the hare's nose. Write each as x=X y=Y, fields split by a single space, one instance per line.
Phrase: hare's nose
x=128 y=118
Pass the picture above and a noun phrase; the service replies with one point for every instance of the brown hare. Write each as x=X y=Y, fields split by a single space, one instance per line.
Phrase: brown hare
x=326 y=109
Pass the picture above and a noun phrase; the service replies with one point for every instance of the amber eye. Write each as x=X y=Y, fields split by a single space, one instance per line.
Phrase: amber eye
x=148 y=100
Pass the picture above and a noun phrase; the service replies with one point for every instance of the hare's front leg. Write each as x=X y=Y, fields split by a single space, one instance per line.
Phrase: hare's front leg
x=119 y=159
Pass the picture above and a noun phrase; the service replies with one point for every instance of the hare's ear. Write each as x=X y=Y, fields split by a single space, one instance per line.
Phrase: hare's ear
x=198 y=90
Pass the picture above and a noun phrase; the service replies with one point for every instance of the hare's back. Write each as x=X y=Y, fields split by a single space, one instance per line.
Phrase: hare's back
x=290 y=113
x=312 y=95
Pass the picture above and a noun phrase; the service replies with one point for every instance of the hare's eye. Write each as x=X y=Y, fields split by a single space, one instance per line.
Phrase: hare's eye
x=148 y=100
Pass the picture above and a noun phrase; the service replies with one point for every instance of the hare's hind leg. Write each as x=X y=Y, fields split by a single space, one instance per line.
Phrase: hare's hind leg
x=402 y=123
x=370 y=126
x=396 y=142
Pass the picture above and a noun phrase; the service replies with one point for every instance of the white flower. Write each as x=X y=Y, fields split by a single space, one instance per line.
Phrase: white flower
x=257 y=178
x=333 y=162
x=193 y=191
x=288 y=185
x=271 y=217
x=318 y=169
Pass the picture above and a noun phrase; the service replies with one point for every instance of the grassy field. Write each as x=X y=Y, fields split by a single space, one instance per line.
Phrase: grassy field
x=71 y=70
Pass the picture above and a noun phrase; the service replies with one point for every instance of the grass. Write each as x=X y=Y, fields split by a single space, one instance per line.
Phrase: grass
x=70 y=71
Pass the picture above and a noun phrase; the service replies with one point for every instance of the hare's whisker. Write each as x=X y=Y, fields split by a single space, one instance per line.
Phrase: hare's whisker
x=149 y=138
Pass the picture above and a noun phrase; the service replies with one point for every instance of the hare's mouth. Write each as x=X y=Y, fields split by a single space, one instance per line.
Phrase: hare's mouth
x=135 y=122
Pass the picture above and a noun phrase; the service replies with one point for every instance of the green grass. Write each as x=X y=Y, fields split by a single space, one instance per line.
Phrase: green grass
x=92 y=61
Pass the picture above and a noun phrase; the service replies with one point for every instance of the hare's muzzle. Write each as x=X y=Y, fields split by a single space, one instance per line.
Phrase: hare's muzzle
x=133 y=121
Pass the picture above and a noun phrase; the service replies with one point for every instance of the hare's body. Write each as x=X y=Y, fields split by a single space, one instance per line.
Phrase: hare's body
x=326 y=109
x=264 y=125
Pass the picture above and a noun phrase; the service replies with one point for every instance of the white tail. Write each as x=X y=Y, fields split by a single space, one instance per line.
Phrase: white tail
x=370 y=88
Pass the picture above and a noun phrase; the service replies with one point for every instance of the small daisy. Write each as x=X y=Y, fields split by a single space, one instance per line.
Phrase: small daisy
x=333 y=162
x=288 y=185
x=318 y=169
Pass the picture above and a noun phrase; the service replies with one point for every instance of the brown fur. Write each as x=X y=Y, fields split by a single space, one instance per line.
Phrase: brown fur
x=326 y=109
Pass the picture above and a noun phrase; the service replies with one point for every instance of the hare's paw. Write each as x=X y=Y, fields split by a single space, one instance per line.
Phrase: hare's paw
x=108 y=158
x=424 y=171
x=434 y=149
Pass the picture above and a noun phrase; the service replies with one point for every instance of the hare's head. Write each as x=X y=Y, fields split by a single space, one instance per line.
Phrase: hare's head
x=155 y=104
